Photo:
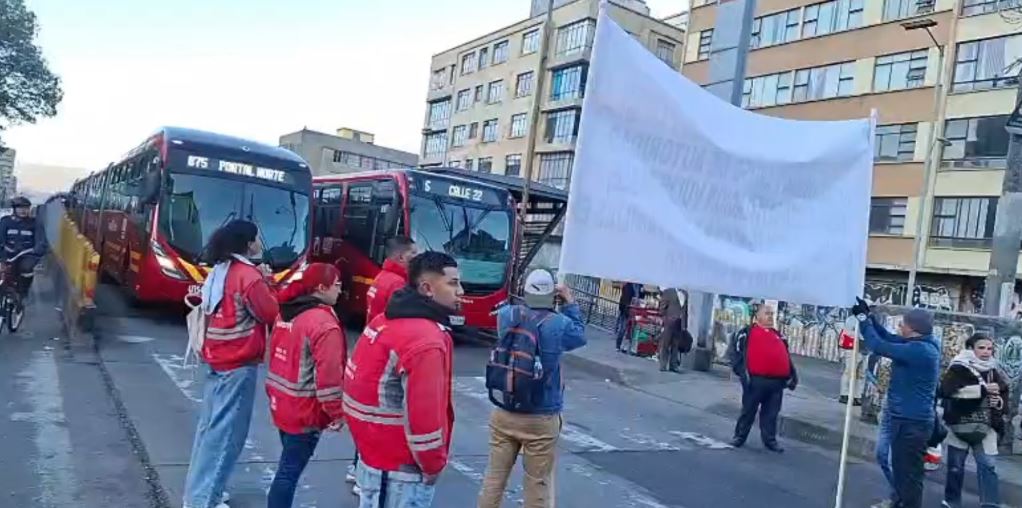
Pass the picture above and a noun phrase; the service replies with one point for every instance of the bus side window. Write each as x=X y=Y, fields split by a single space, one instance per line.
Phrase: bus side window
x=358 y=217
x=328 y=212
x=386 y=204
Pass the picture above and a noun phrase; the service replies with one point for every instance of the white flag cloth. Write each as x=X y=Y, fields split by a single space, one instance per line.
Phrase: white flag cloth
x=675 y=187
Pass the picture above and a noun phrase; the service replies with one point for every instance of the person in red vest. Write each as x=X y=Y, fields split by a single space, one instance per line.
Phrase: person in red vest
x=761 y=360
x=393 y=276
x=306 y=370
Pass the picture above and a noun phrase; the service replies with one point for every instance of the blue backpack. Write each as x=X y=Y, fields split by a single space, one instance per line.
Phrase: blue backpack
x=514 y=375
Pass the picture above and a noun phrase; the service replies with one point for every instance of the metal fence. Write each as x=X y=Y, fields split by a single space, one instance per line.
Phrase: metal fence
x=596 y=310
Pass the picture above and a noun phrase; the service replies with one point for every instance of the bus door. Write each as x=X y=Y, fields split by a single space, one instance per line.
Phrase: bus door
x=372 y=213
x=326 y=222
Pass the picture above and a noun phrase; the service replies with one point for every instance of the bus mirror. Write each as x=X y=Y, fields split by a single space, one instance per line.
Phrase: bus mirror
x=150 y=190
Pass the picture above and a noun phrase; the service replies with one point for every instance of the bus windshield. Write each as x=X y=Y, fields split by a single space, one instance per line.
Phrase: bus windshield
x=193 y=207
x=477 y=236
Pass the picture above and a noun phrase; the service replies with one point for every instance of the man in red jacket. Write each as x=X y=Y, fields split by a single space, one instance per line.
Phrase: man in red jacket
x=393 y=276
x=306 y=365
x=397 y=388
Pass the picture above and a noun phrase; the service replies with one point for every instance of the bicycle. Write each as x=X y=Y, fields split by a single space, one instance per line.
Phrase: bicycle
x=12 y=305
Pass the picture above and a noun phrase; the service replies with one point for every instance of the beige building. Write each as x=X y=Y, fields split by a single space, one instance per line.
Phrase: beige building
x=843 y=58
x=480 y=95
x=8 y=182
x=349 y=151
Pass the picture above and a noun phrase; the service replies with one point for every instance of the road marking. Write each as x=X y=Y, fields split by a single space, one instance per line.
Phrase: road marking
x=702 y=440
x=182 y=377
x=134 y=339
x=573 y=434
x=40 y=384
x=647 y=442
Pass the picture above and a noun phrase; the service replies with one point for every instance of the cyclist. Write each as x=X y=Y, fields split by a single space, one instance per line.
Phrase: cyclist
x=23 y=242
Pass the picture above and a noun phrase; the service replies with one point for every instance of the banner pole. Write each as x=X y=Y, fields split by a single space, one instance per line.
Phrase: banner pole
x=842 y=467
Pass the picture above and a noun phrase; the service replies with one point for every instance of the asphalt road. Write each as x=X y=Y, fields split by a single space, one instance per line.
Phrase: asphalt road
x=619 y=448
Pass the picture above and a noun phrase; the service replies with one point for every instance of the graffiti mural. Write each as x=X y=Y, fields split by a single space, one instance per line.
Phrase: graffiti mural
x=884 y=293
x=730 y=314
x=811 y=330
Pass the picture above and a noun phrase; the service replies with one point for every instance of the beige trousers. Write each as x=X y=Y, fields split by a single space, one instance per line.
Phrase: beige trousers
x=535 y=437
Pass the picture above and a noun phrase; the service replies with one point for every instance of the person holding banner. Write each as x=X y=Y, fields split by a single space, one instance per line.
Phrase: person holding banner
x=915 y=370
x=760 y=358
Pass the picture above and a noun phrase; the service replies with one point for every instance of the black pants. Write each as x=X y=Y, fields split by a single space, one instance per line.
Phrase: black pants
x=24 y=271
x=763 y=395
x=908 y=447
x=296 y=451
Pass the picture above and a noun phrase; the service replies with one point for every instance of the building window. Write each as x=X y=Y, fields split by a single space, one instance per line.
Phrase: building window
x=473 y=130
x=898 y=9
x=826 y=82
x=775 y=29
x=764 y=91
x=484 y=57
x=900 y=71
x=464 y=100
x=438 y=79
x=530 y=42
x=490 y=131
x=513 y=164
x=568 y=83
x=980 y=142
x=439 y=114
x=434 y=144
x=495 y=93
x=576 y=37
x=500 y=52
x=895 y=142
x=519 y=125
x=976 y=7
x=982 y=65
x=454 y=164
x=830 y=17
x=665 y=51
x=887 y=215
x=459 y=135
x=963 y=222
x=555 y=169
x=705 y=41
x=485 y=165
x=523 y=86
x=562 y=126
x=479 y=93
x=470 y=164
x=468 y=63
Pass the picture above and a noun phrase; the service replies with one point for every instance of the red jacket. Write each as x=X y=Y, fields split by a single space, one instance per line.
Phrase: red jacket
x=397 y=391
x=306 y=367
x=392 y=278
x=236 y=331
x=767 y=354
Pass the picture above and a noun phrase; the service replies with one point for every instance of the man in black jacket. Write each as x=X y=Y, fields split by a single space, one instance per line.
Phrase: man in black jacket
x=24 y=242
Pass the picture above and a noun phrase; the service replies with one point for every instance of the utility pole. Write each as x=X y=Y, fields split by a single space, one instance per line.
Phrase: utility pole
x=1000 y=281
x=537 y=92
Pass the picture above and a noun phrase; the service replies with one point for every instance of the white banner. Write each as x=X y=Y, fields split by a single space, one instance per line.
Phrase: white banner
x=672 y=186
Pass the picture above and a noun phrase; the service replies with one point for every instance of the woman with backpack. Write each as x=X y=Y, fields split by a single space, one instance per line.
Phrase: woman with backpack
x=975 y=395
x=240 y=305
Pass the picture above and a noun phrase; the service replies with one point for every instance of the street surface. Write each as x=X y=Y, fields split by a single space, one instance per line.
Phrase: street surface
x=67 y=445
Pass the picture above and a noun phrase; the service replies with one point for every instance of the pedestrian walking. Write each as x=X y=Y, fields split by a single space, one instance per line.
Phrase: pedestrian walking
x=674 y=338
x=240 y=304
x=392 y=277
x=761 y=360
x=397 y=388
x=303 y=382
x=629 y=292
x=915 y=369
x=527 y=419
x=975 y=391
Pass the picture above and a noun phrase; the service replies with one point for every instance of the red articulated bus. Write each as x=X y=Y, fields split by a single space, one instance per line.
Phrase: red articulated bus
x=472 y=218
x=151 y=214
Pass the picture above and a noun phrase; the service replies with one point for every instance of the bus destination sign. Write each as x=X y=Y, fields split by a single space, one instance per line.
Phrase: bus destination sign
x=237 y=168
x=460 y=190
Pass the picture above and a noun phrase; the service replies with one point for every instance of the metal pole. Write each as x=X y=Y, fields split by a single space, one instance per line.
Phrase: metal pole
x=933 y=155
x=530 y=150
x=842 y=468
x=1000 y=281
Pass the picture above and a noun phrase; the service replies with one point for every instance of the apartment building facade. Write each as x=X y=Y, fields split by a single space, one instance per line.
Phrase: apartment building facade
x=841 y=59
x=8 y=182
x=480 y=95
x=347 y=151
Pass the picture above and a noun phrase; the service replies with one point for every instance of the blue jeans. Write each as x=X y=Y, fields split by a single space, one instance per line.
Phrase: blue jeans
x=220 y=435
x=621 y=328
x=986 y=471
x=883 y=452
x=908 y=447
x=383 y=489
x=296 y=450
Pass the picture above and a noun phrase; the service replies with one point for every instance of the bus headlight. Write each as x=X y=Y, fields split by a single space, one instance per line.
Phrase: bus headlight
x=166 y=264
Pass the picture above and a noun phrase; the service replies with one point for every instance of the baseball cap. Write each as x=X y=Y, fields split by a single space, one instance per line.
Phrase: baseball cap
x=540 y=289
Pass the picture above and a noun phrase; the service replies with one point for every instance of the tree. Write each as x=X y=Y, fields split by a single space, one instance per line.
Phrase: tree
x=28 y=90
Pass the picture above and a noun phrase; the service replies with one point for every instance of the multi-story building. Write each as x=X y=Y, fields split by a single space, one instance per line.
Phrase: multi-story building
x=349 y=151
x=840 y=59
x=481 y=93
x=8 y=183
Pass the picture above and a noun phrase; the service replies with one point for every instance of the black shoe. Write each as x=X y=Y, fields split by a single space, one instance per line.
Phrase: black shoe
x=857 y=402
x=737 y=442
x=843 y=399
x=774 y=447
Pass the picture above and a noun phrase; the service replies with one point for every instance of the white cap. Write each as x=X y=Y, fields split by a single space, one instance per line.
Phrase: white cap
x=539 y=289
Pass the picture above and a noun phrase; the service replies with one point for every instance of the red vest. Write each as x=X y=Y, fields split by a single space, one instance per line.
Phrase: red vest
x=306 y=369
x=397 y=395
x=766 y=354
x=236 y=332
x=392 y=278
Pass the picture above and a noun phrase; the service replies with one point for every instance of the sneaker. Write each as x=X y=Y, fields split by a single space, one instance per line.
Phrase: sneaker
x=737 y=442
x=774 y=447
x=350 y=477
x=857 y=402
x=225 y=498
x=356 y=490
x=842 y=399
x=886 y=503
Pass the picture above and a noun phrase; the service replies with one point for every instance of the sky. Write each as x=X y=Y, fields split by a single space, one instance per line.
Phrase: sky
x=251 y=68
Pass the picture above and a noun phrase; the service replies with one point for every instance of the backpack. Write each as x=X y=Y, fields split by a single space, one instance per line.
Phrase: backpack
x=515 y=378
x=196 y=322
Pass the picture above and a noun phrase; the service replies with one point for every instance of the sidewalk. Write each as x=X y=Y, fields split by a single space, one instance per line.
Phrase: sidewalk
x=811 y=413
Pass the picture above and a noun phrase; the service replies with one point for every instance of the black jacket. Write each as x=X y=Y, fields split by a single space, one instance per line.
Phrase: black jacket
x=738 y=349
x=958 y=377
x=20 y=234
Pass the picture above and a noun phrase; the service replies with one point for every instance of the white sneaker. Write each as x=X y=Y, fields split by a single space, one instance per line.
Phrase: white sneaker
x=222 y=505
x=354 y=490
x=225 y=498
x=350 y=477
